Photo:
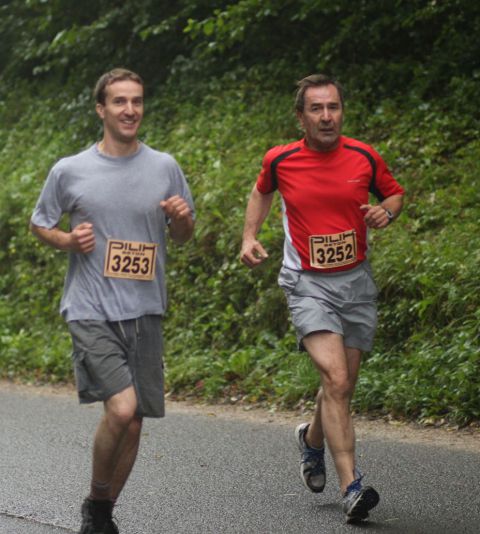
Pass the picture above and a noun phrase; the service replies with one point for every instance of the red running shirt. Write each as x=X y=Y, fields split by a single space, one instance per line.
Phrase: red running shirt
x=322 y=193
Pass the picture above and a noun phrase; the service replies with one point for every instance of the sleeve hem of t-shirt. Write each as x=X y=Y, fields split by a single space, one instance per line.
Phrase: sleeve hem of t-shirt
x=264 y=190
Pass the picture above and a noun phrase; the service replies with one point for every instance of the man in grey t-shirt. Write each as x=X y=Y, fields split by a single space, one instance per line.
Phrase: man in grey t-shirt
x=121 y=197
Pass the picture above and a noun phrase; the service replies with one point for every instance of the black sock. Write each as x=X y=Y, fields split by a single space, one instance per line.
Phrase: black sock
x=99 y=491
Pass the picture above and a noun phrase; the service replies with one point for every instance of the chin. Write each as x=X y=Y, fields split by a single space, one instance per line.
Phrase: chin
x=128 y=138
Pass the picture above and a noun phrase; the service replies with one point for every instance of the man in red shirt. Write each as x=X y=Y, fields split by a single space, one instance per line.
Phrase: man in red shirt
x=324 y=181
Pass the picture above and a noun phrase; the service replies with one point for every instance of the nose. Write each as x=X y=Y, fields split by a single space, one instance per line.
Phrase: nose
x=129 y=108
x=326 y=115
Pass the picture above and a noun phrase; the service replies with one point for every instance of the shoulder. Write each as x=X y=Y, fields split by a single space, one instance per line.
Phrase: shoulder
x=280 y=151
x=157 y=155
x=71 y=163
x=156 y=159
x=359 y=146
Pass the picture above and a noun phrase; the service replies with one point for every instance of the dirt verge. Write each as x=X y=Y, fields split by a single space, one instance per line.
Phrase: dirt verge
x=467 y=439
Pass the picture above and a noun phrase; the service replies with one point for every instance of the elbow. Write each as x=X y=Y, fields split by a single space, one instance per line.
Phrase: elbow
x=33 y=228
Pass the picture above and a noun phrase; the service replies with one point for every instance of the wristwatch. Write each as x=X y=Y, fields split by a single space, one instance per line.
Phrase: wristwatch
x=389 y=214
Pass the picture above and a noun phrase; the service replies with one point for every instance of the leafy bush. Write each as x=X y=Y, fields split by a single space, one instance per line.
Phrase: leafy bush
x=227 y=72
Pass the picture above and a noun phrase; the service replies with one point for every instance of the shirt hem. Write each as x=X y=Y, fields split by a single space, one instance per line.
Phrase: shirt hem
x=99 y=317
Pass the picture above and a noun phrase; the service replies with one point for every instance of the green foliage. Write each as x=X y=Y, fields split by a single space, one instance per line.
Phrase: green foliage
x=220 y=79
x=33 y=341
x=74 y=42
x=384 y=46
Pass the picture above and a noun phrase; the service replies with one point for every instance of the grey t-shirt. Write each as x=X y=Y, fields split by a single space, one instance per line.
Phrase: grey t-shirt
x=120 y=197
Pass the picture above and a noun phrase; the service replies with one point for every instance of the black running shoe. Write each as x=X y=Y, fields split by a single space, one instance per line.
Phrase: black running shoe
x=358 y=500
x=97 y=518
x=111 y=527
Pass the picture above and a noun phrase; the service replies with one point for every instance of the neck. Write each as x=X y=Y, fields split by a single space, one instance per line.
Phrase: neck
x=117 y=149
x=321 y=147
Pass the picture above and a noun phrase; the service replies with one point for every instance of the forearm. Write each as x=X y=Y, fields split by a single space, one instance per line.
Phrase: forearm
x=181 y=230
x=258 y=208
x=394 y=204
x=54 y=237
x=81 y=239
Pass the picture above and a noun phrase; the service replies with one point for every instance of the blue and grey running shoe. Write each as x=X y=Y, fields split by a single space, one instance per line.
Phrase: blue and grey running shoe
x=358 y=500
x=312 y=466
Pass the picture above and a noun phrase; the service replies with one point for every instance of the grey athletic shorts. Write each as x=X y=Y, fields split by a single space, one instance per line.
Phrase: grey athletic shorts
x=343 y=302
x=111 y=356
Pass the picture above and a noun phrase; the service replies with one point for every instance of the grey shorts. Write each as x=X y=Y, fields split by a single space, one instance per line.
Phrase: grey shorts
x=112 y=356
x=344 y=303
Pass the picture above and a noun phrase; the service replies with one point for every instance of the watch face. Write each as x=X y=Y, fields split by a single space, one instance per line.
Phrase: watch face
x=389 y=214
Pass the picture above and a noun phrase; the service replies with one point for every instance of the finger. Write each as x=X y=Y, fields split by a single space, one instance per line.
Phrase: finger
x=260 y=252
x=253 y=258
x=169 y=207
x=180 y=205
x=170 y=200
x=249 y=261
x=86 y=238
x=370 y=217
x=84 y=231
x=88 y=249
x=181 y=212
x=245 y=261
x=84 y=226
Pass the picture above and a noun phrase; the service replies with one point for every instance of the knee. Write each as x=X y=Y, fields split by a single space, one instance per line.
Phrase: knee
x=122 y=415
x=337 y=387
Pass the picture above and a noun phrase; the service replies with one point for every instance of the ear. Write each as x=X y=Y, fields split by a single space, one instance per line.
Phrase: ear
x=300 y=119
x=100 y=110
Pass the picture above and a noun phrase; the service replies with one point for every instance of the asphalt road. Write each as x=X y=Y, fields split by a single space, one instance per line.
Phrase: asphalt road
x=198 y=474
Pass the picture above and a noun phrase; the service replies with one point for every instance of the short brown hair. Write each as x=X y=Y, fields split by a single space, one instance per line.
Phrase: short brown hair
x=314 y=80
x=115 y=75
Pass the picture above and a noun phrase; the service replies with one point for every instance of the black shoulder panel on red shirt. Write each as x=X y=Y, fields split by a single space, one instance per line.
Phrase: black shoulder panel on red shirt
x=373 y=188
x=276 y=161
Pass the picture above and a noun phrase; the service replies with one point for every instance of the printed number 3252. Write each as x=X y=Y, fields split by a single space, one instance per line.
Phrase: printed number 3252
x=336 y=254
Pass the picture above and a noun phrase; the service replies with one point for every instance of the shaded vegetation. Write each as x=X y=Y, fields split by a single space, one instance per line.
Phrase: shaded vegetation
x=220 y=78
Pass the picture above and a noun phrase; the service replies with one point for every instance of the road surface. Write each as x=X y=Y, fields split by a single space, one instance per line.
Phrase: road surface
x=200 y=471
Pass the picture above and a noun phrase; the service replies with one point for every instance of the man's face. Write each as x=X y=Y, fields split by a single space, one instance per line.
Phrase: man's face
x=322 y=117
x=122 y=112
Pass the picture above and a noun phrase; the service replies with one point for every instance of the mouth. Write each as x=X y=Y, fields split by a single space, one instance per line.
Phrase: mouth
x=129 y=124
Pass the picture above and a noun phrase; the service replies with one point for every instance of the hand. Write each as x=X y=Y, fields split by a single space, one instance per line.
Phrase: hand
x=375 y=216
x=252 y=253
x=176 y=208
x=181 y=218
x=82 y=238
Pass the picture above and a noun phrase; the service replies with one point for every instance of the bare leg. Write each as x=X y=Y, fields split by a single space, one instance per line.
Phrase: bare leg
x=315 y=437
x=127 y=457
x=110 y=438
x=332 y=420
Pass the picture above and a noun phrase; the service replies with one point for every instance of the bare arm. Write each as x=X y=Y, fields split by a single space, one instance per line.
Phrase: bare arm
x=376 y=216
x=258 y=207
x=181 y=220
x=81 y=239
